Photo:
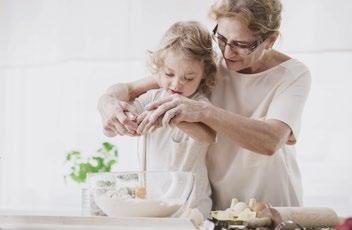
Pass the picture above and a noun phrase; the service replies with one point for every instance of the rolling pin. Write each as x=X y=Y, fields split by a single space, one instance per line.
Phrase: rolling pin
x=259 y=222
x=308 y=217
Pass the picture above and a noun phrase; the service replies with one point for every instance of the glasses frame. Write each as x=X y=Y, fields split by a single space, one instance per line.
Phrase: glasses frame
x=236 y=45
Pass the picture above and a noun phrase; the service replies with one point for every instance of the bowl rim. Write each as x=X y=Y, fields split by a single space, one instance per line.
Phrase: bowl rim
x=138 y=172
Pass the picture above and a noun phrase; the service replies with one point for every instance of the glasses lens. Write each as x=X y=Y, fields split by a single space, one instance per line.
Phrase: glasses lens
x=221 y=42
x=237 y=48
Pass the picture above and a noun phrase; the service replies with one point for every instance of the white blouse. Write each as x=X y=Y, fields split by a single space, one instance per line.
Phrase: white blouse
x=278 y=93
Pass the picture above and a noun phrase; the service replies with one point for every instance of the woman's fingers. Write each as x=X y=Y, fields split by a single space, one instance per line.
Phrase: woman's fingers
x=150 y=122
x=155 y=126
x=128 y=108
x=142 y=125
x=164 y=111
x=141 y=117
x=123 y=118
x=156 y=104
x=159 y=113
x=125 y=121
x=109 y=132
x=114 y=127
x=131 y=116
x=169 y=115
x=118 y=118
x=120 y=128
x=152 y=129
x=161 y=110
x=147 y=126
x=178 y=118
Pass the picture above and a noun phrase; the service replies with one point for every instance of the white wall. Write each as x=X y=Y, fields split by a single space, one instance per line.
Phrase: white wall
x=57 y=57
x=318 y=33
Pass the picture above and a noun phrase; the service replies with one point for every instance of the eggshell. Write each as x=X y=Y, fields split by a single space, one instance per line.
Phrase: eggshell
x=239 y=207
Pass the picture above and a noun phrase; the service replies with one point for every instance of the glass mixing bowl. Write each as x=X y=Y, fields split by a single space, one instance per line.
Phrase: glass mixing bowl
x=140 y=194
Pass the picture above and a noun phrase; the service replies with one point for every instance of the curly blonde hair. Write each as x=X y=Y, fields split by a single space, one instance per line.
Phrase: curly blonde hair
x=262 y=16
x=195 y=42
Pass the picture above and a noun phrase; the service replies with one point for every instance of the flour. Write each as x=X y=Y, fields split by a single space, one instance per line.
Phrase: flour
x=115 y=206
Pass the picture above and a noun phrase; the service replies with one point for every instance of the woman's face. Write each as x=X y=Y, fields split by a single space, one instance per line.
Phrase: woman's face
x=180 y=74
x=235 y=31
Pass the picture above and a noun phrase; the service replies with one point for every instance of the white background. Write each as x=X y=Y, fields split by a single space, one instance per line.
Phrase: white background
x=58 y=56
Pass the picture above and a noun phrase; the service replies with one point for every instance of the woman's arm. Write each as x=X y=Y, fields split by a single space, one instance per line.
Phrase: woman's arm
x=196 y=130
x=129 y=91
x=263 y=137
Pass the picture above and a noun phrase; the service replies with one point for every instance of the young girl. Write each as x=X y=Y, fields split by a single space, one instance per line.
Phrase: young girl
x=184 y=64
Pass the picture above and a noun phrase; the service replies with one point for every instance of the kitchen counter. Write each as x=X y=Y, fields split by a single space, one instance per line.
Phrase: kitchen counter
x=20 y=220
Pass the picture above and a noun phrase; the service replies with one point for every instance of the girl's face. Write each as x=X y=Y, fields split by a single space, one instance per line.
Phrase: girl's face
x=236 y=33
x=180 y=74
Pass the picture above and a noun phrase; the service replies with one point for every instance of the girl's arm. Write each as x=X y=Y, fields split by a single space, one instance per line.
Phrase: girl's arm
x=198 y=131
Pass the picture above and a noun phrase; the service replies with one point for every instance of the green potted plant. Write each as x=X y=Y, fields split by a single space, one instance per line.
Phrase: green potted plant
x=101 y=161
x=78 y=168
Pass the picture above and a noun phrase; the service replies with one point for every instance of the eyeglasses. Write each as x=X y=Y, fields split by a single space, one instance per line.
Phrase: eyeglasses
x=242 y=48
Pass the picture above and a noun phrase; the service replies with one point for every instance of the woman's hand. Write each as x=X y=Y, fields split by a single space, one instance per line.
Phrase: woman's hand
x=118 y=117
x=174 y=109
x=178 y=111
x=143 y=119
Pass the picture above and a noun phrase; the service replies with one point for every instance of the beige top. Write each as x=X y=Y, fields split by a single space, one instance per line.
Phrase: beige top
x=278 y=93
x=173 y=150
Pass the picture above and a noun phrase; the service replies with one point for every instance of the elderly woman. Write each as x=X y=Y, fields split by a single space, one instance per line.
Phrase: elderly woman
x=256 y=109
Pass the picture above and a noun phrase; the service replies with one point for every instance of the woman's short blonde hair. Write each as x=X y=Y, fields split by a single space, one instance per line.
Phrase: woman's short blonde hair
x=195 y=42
x=262 y=16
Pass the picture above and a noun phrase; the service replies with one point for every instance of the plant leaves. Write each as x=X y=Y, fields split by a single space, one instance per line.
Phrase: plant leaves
x=107 y=146
x=100 y=163
x=79 y=168
x=76 y=177
x=109 y=165
x=73 y=154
